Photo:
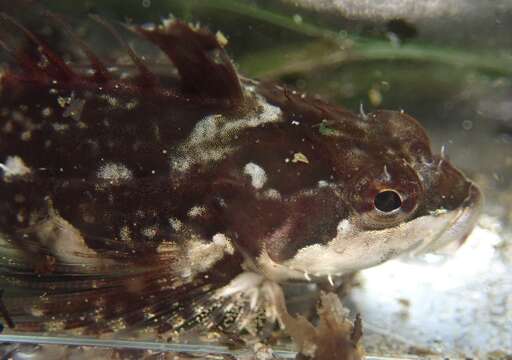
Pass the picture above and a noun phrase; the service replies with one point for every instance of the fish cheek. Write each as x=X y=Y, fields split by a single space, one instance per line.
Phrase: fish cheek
x=280 y=227
x=250 y=221
x=311 y=219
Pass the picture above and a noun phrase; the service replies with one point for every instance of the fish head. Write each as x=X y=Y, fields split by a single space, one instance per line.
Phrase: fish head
x=393 y=195
x=405 y=193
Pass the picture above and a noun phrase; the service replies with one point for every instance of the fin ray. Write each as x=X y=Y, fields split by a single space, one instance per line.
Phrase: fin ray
x=56 y=65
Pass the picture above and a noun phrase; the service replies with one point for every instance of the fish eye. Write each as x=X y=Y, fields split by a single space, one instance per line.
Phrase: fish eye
x=387 y=201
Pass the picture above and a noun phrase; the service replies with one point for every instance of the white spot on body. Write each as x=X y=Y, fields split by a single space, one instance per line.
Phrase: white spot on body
x=74 y=108
x=257 y=174
x=176 y=224
x=272 y=194
x=200 y=256
x=114 y=173
x=125 y=234
x=322 y=184
x=14 y=167
x=223 y=241
x=197 y=211
x=59 y=127
x=211 y=140
x=37 y=312
x=47 y=112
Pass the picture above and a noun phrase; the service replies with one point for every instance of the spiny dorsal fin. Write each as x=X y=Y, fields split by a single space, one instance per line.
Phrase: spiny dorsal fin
x=206 y=72
x=203 y=65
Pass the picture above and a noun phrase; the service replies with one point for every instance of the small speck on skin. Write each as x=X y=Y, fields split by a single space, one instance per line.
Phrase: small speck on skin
x=47 y=112
x=37 y=312
x=300 y=158
x=111 y=100
x=125 y=234
x=221 y=39
x=60 y=127
x=63 y=101
x=272 y=194
x=74 y=108
x=55 y=326
x=150 y=231
x=117 y=325
x=131 y=105
x=26 y=135
x=322 y=183
x=176 y=224
x=197 y=211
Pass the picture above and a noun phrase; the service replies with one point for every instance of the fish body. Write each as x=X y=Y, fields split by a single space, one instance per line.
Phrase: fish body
x=168 y=201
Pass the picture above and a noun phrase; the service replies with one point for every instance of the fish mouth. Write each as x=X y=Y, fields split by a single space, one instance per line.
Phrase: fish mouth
x=460 y=222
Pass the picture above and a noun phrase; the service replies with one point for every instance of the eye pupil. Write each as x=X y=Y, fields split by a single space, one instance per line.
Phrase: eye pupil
x=387 y=201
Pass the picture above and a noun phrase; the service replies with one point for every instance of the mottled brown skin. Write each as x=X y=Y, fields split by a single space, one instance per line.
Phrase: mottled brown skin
x=139 y=124
x=356 y=175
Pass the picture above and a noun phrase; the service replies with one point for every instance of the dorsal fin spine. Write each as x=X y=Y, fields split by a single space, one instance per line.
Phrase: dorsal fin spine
x=147 y=78
x=63 y=72
x=101 y=73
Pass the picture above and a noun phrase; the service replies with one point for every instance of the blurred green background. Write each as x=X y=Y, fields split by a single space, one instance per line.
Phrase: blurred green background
x=370 y=61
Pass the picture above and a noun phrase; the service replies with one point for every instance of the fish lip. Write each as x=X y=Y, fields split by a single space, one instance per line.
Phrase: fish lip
x=461 y=224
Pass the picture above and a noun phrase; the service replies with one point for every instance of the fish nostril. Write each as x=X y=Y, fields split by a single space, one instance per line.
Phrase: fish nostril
x=387 y=201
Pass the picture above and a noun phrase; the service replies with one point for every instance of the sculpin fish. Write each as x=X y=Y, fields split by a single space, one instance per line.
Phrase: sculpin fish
x=135 y=198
